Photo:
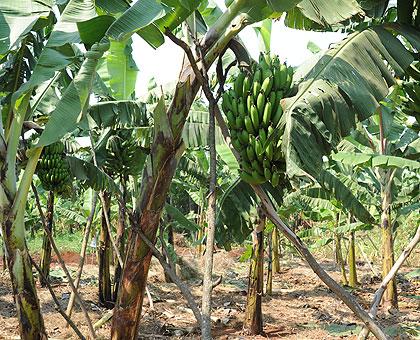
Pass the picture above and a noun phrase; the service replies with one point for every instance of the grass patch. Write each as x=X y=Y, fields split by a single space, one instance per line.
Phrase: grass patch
x=65 y=242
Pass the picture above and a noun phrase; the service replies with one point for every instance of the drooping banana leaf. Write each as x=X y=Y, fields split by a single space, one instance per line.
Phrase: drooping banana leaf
x=119 y=114
x=91 y=175
x=195 y=133
x=70 y=111
x=70 y=214
x=328 y=104
x=170 y=14
x=311 y=199
x=226 y=155
x=370 y=160
x=329 y=12
x=55 y=56
x=353 y=227
x=235 y=208
x=321 y=15
x=374 y=8
x=180 y=218
x=17 y=18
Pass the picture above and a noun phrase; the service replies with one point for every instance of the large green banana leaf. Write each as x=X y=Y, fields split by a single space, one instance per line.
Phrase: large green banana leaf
x=370 y=160
x=171 y=14
x=17 y=18
x=180 y=218
x=341 y=87
x=195 y=132
x=119 y=114
x=72 y=107
x=329 y=12
x=90 y=174
x=118 y=69
x=235 y=208
x=55 y=56
x=334 y=14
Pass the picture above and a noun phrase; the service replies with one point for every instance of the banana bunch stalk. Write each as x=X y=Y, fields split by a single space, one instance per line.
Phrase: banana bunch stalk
x=253 y=112
x=53 y=169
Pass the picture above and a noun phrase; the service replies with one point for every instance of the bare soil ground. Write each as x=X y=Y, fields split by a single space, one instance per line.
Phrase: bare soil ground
x=301 y=306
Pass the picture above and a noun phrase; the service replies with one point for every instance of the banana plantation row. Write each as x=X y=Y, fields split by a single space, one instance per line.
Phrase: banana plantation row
x=318 y=154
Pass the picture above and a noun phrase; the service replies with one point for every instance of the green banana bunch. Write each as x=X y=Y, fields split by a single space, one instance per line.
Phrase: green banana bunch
x=120 y=157
x=53 y=169
x=253 y=112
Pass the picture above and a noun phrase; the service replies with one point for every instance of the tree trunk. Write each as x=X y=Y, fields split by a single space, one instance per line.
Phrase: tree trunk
x=253 y=323
x=352 y=262
x=390 y=298
x=166 y=150
x=45 y=261
x=157 y=176
x=340 y=260
x=276 y=250
x=120 y=239
x=104 y=249
x=211 y=215
x=385 y=177
x=4 y=257
x=31 y=324
x=12 y=205
x=269 y=284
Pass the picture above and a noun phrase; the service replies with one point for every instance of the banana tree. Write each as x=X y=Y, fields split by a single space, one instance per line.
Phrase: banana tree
x=151 y=20
x=253 y=321
x=54 y=174
x=150 y=204
x=54 y=55
x=17 y=67
x=383 y=150
x=308 y=124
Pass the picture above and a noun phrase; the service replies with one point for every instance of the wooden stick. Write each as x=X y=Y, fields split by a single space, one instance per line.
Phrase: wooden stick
x=54 y=297
x=367 y=259
x=202 y=77
x=394 y=270
x=102 y=321
x=82 y=253
x=183 y=287
x=62 y=263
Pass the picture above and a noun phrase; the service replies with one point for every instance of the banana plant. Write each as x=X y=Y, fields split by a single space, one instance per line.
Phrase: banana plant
x=54 y=174
x=53 y=56
x=240 y=13
x=326 y=104
x=77 y=18
x=381 y=149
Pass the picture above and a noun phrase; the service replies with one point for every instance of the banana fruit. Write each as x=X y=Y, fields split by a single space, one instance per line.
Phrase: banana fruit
x=53 y=169
x=253 y=113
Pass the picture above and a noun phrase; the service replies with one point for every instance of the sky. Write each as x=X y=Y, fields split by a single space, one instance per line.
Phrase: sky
x=164 y=63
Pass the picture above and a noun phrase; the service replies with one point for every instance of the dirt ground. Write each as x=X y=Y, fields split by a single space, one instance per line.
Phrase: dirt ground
x=301 y=306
